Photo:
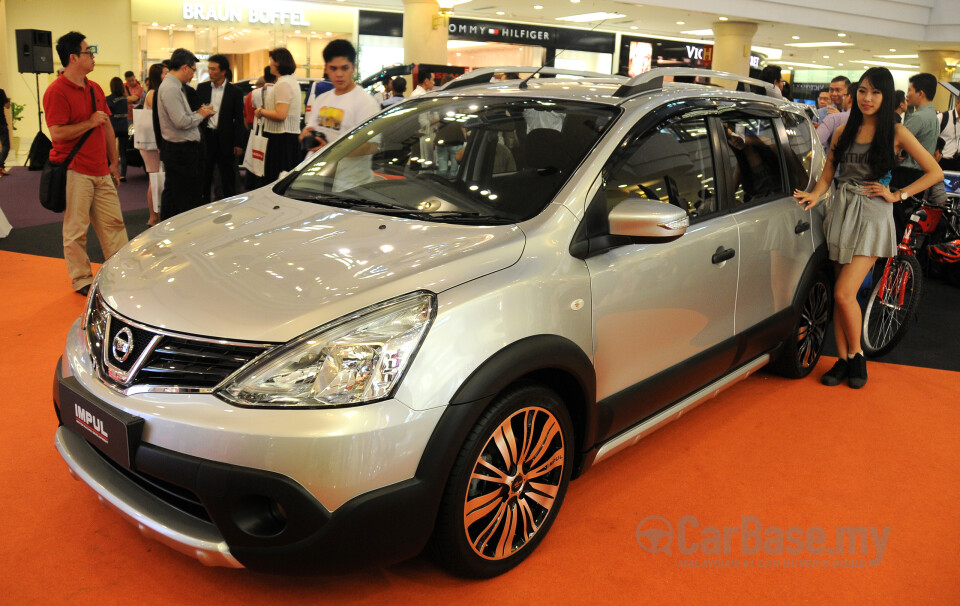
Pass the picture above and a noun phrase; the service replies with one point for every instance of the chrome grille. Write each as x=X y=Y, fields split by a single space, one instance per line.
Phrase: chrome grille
x=161 y=360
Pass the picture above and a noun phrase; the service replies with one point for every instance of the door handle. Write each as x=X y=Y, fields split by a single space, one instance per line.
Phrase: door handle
x=723 y=254
x=802 y=226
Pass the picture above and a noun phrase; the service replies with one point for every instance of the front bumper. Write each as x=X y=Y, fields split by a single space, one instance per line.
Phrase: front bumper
x=238 y=515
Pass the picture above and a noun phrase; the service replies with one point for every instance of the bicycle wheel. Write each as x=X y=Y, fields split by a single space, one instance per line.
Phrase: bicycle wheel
x=885 y=319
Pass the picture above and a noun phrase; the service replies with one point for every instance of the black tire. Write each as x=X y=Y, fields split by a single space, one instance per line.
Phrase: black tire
x=885 y=319
x=485 y=527
x=802 y=350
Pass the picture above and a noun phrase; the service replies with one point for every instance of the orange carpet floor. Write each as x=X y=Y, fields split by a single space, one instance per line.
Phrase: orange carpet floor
x=788 y=453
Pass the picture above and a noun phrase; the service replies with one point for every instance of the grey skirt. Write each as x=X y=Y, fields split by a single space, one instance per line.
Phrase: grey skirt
x=858 y=225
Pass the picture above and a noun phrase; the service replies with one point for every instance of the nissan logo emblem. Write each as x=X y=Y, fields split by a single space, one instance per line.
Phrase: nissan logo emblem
x=123 y=344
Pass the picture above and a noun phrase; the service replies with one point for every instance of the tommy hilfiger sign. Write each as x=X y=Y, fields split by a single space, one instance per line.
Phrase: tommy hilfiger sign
x=516 y=33
x=506 y=33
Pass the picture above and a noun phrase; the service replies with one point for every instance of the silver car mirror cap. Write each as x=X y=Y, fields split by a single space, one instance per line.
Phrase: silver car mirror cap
x=644 y=218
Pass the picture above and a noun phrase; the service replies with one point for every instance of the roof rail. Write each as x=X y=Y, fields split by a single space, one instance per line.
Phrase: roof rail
x=653 y=79
x=484 y=73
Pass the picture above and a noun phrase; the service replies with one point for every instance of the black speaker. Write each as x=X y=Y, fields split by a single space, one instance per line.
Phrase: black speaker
x=34 y=51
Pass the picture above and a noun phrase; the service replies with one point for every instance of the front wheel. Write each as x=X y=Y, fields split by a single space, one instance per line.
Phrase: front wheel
x=890 y=306
x=507 y=484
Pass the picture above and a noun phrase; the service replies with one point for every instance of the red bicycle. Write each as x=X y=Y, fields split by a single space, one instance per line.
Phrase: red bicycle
x=897 y=292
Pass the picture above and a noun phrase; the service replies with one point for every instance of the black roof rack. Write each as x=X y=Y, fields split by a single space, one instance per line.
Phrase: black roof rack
x=653 y=79
x=484 y=73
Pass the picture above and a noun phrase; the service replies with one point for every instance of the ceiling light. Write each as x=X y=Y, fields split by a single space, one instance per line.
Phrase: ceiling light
x=893 y=50
x=634 y=27
x=810 y=65
x=898 y=56
x=817 y=44
x=842 y=35
x=155 y=24
x=537 y=6
x=723 y=18
x=699 y=32
x=796 y=37
x=826 y=56
x=500 y=12
x=681 y=22
x=575 y=1
x=887 y=64
x=841 y=51
x=591 y=17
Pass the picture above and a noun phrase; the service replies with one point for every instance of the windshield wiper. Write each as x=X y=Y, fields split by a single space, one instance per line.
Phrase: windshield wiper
x=472 y=216
x=346 y=201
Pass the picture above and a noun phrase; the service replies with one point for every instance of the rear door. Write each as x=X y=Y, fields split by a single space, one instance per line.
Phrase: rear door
x=775 y=236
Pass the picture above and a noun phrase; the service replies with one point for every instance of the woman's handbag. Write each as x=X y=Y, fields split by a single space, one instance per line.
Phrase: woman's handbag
x=143 y=135
x=256 y=151
x=53 y=179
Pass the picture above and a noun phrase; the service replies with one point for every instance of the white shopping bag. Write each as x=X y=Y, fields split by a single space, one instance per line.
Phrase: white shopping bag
x=156 y=187
x=256 y=150
x=143 y=135
x=5 y=226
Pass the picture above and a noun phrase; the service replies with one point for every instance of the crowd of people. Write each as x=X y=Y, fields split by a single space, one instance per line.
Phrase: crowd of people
x=190 y=138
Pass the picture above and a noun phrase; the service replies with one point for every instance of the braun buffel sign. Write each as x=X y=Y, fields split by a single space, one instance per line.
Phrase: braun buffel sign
x=230 y=13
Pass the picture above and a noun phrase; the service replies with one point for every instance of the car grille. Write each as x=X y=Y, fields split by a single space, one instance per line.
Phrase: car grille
x=135 y=358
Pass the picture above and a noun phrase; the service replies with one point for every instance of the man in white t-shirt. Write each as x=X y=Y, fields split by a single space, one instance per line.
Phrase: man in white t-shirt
x=338 y=111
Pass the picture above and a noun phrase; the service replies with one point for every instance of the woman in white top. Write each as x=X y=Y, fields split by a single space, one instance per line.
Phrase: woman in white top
x=151 y=157
x=281 y=113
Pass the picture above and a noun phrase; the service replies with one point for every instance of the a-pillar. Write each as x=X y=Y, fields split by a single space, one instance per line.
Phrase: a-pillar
x=424 y=32
x=942 y=64
x=731 y=47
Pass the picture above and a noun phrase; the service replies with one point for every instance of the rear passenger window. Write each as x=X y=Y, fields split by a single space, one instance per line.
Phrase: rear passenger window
x=671 y=163
x=752 y=149
x=799 y=153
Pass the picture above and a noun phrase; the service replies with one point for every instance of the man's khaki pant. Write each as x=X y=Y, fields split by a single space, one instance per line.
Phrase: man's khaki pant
x=90 y=200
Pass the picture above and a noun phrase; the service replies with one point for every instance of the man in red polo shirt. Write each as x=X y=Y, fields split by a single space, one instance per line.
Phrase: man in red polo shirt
x=91 y=181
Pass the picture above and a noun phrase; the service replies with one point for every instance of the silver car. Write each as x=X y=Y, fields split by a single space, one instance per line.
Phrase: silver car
x=422 y=334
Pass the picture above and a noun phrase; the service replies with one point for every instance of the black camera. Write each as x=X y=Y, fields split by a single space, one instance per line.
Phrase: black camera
x=313 y=140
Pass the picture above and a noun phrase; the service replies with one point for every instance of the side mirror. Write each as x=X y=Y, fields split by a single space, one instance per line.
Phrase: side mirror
x=644 y=218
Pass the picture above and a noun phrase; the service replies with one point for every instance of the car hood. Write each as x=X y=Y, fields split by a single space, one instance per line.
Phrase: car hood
x=266 y=268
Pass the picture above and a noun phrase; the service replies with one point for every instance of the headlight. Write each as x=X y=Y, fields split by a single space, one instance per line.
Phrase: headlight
x=357 y=359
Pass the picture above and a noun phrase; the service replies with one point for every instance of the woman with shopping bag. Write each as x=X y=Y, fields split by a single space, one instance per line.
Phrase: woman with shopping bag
x=144 y=139
x=281 y=114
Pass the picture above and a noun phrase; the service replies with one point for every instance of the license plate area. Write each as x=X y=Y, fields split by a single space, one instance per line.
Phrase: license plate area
x=111 y=431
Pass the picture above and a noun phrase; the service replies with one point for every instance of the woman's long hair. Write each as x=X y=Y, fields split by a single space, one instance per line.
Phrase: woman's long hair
x=155 y=76
x=881 y=157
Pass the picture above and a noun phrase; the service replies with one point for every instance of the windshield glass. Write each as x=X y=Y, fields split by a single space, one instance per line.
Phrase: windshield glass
x=456 y=159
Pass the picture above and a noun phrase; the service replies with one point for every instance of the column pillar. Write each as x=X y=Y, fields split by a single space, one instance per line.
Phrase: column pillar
x=731 y=47
x=943 y=65
x=424 y=32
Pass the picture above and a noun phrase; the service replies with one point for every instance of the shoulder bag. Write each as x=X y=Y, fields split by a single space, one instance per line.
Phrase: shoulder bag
x=53 y=179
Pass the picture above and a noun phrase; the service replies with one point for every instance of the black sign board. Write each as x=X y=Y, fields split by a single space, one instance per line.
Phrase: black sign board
x=375 y=23
x=112 y=431
x=638 y=55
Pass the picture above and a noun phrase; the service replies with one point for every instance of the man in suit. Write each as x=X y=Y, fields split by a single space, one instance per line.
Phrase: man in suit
x=223 y=132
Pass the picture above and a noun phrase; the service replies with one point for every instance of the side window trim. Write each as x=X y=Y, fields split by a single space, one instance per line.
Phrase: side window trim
x=780 y=130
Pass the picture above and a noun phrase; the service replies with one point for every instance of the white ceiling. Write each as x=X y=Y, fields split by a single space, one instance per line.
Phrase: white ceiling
x=656 y=21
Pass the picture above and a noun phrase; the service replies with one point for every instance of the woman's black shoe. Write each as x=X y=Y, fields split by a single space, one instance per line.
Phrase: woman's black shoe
x=835 y=375
x=858 y=371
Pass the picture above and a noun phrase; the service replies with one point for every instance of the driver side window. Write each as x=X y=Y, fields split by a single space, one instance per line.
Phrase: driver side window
x=671 y=163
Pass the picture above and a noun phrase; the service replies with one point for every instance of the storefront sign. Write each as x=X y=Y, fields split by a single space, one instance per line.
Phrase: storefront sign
x=638 y=55
x=376 y=23
x=195 y=11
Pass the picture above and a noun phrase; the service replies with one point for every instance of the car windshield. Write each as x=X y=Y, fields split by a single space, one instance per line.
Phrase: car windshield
x=456 y=159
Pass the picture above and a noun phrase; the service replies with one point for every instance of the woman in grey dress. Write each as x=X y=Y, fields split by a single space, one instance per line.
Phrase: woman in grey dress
x=858 y=222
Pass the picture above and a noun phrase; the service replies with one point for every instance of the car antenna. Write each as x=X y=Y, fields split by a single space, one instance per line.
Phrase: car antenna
x=527 y=79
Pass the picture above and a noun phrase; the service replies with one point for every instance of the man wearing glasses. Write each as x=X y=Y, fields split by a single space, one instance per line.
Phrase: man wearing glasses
x=92 y=175
x=179 y=127
x=831 y=122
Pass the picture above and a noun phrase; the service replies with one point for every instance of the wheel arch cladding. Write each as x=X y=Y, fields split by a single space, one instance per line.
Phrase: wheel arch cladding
x=550 y=360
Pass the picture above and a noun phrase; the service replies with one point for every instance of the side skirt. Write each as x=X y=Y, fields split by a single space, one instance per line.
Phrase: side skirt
x=643 y=429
